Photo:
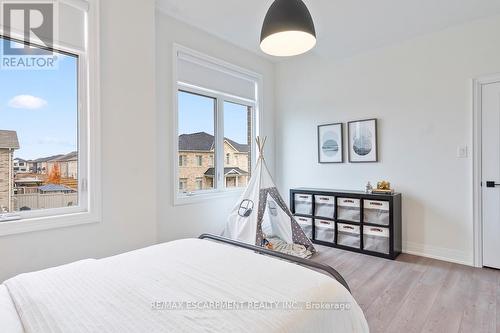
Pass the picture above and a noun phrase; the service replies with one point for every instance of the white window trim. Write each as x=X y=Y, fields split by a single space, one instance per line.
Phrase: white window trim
x=211 y=62
x=89 y=166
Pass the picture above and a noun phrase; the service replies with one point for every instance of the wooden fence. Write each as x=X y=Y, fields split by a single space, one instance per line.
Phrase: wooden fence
x=43 y=201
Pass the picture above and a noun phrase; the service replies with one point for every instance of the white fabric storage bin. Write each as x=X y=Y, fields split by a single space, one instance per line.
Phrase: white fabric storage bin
x=348 y=209
x=348 y=235
x=376 y=239
x=306 y=223
x=376 y=212
x=324 y=206
x=303 y=204
x=324 y=230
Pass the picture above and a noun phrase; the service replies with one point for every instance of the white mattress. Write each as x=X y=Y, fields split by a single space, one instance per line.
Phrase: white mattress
x=9 y=319
x=130 y=293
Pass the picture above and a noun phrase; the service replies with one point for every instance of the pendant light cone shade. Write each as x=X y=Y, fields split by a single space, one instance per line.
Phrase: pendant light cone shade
x=288 y=29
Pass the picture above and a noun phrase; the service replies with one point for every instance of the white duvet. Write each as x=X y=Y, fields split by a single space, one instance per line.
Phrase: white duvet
x=181 y=286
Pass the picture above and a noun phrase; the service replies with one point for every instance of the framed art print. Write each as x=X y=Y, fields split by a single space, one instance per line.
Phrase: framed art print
x=362 y=136
x=330 y=143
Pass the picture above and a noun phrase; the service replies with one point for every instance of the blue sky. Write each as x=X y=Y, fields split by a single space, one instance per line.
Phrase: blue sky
x=41 y=106
x=196 y=114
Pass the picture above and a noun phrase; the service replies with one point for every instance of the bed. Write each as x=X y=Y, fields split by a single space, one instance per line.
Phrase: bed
x=190 y=285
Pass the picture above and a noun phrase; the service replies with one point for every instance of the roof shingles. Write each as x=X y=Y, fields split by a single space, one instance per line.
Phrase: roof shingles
x=202 y=141
x=8 y=139
x=55 y=188
x=227 y=171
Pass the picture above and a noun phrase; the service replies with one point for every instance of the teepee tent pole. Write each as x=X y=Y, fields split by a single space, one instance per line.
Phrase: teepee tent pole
x=260 y=145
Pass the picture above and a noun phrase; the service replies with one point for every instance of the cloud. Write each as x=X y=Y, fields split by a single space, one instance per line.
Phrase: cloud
x=27 y=102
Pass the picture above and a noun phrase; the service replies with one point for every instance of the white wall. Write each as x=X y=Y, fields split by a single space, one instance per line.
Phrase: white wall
x=420 y=91
x=128 y=139
x=209 y=216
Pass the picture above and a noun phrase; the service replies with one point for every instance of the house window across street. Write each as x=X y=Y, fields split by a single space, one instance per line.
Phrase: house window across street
x=182 y=160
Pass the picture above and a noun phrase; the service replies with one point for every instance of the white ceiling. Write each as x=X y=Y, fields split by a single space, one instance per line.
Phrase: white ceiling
x=343 y=27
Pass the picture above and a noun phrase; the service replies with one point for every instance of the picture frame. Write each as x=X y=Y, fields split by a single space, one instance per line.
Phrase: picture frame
x=363 y=141
x=331 y=143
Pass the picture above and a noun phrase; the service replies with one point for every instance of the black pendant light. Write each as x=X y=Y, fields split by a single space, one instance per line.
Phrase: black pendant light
x=288 y=29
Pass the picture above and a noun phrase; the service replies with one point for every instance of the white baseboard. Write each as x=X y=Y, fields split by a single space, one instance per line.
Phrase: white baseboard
x=439 y=253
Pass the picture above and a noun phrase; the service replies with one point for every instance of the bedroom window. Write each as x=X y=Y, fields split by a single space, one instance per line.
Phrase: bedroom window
x=49 y=130
x=199 y=135
x=39 y=127
x=216 y=113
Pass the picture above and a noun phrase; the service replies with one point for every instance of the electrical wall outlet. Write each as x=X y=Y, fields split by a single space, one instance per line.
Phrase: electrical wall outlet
x=462 y=151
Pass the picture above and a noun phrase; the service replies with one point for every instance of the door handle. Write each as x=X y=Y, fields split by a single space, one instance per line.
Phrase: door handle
x=491 y=184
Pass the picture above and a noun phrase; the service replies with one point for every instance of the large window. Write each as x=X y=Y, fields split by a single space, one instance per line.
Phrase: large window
x=216 y=126
x=39 y=135
x=49 y=119
x=198 y=138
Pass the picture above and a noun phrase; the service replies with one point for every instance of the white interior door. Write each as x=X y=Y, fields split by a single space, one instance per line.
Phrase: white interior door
x=491 y=174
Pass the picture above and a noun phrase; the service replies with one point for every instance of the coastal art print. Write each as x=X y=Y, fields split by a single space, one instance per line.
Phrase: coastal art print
x=330 y=143
x=362 y=141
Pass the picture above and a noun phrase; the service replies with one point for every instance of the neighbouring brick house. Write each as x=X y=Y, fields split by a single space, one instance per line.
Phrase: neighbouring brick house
x=8 y=143
x=196 y=162
x=68 y=165
x=41 y=165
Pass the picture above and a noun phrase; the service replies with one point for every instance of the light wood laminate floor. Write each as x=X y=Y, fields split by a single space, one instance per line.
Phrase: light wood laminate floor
x=415 y=294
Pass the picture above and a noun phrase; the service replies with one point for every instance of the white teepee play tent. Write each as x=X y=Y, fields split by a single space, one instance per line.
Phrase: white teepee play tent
x=261 y=217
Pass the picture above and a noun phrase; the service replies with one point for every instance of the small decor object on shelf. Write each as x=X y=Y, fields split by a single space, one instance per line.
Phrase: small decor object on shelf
x=369 y=188
x=383 y=187
x=362 y=136
x=330 y=143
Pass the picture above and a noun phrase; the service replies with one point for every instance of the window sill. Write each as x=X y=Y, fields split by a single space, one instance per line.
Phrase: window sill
x=48 y=222
x=180 y=200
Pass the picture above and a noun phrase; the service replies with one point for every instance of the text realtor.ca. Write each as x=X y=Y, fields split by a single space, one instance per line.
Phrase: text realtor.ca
x=28 y=35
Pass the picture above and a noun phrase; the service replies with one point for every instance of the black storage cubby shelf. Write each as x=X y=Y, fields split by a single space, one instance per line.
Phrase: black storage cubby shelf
x=369 y=223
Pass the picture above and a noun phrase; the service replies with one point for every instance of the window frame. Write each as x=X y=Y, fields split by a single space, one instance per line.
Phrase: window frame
x=199 y=160
x=219 y=190
x=89 y=151
x=199 y=179
x=182 y=161
x=182 y=181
